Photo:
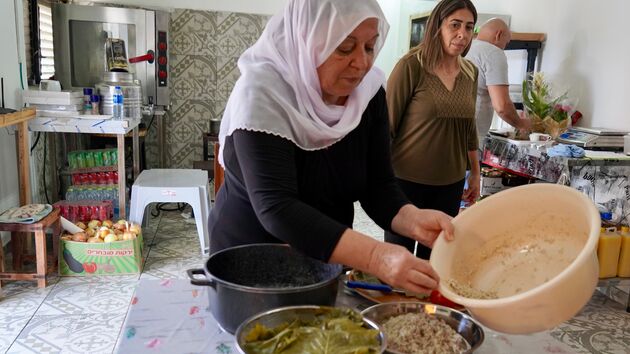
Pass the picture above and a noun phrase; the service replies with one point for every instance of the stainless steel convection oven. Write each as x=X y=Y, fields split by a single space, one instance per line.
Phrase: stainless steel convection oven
x=81 y=33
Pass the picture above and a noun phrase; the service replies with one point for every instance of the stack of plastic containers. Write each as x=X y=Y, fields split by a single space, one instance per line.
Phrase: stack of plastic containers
x=608 y=248
x=94 y=178
x=90 y=159
x=623 y=267
x=55 y=104
x=85 y=210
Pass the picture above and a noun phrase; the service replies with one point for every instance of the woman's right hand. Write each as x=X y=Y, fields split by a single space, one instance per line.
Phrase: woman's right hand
x=396 y=266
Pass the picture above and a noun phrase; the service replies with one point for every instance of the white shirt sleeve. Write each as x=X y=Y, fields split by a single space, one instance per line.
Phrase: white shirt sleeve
x=496 y=68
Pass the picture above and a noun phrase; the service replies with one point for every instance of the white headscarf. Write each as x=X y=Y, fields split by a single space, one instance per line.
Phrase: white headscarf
x=279 y=91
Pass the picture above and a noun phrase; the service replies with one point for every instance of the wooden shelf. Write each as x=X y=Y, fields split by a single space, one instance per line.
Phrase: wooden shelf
x=16 y=117
x=531 y=42
x=529 y=37
x=20 y=119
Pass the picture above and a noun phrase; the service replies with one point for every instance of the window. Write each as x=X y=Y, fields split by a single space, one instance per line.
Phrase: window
x=38 y=37
x=47 y=57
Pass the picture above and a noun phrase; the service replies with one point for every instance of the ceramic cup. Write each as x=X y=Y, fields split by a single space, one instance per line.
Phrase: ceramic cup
x=539 y=137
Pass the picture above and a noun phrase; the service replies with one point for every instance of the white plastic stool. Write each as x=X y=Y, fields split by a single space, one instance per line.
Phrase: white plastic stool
x=174 y=186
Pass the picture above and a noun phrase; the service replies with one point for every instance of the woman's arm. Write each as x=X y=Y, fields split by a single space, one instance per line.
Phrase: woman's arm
x=401 y=85
x=391 y=263
x=422 y=225
x=474 y=178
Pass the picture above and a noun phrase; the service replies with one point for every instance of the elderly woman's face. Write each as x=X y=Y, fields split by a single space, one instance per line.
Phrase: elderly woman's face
x=457 y=32
x=347 y=65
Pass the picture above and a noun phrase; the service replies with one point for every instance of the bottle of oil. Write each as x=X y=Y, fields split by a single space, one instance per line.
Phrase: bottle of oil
x=608 y=248
x=623 y=268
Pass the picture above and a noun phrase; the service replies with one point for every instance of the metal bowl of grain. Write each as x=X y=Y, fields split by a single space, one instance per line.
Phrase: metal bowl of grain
x=417 y=327
x=309 y=329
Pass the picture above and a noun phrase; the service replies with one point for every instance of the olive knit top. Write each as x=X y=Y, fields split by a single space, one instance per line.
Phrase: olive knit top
x=432 y=128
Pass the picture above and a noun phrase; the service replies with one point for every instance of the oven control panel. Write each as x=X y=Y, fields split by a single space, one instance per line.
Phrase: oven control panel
x=162 y=61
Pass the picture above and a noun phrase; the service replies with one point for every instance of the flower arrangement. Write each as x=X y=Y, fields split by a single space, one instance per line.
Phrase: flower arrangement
x=549 y=115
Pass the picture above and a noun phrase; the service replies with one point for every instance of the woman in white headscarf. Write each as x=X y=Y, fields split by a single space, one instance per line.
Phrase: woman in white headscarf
x=305 y=134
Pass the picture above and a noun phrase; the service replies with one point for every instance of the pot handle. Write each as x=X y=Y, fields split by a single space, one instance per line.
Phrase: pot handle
x=197 y=281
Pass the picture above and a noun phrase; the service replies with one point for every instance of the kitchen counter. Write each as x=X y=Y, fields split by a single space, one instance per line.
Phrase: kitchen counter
x=172 y=316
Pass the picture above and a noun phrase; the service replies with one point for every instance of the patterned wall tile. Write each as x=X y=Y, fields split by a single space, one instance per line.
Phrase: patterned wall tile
x=205 y=47
x=227 y=74
x=237 y=32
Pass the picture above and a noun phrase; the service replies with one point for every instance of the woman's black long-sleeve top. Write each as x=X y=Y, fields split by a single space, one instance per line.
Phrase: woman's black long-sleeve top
x=275 y=192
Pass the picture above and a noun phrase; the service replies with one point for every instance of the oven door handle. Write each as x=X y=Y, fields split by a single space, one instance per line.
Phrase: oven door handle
x=149 y=57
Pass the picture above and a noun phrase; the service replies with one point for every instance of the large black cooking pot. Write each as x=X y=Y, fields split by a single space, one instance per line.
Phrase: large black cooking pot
x=247 y=280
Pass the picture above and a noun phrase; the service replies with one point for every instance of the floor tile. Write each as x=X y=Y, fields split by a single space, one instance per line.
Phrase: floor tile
x=363 y=224
x=92 y=333
x=22 y=299
x=172 y=215
x=175 y=247
x=19 y=301
x=10 y=327
x=602 y=326
x=171 y=268
x=176 y=231
x=94 y=295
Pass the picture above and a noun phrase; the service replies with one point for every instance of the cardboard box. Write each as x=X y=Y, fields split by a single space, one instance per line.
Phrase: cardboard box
x=491 y=185
x=88 y=259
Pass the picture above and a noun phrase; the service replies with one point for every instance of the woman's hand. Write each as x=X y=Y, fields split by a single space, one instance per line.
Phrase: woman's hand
x=471 y=194
x=397 y=267
x=422 y=225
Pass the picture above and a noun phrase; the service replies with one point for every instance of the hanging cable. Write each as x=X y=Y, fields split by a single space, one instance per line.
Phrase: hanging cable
x=35 y=143
x=160 y=207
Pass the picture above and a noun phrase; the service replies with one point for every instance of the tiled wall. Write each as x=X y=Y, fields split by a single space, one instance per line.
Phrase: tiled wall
x=204 y=49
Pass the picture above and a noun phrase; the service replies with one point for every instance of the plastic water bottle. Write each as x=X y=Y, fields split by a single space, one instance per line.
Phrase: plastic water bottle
x=70 y=194
x=117 y=108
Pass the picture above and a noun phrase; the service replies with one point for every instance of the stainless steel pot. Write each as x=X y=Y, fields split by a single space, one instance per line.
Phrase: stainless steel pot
x=247 y=280
x=132 y=94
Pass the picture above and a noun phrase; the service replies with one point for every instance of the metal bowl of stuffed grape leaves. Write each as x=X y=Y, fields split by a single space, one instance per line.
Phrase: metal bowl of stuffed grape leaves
x=309 y=329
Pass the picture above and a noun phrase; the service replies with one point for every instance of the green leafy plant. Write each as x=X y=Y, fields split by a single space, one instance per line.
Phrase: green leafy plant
x=538 y=100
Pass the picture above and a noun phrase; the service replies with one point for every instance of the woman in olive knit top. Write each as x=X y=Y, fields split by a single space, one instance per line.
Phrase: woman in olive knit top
x=431 y=97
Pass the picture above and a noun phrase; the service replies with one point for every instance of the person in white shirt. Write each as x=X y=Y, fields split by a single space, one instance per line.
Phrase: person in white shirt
x=486 y=52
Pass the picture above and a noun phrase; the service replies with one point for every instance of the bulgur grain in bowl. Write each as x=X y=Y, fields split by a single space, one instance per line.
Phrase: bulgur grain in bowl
x=516 y=256
x=419 y=328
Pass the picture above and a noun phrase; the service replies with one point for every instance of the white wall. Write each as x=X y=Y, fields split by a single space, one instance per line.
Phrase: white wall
x=386 y=58
x=398 y=14
x=10 y=71
x=586 y=51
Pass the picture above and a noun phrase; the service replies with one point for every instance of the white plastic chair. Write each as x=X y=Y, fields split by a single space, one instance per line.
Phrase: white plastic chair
x=173 y=186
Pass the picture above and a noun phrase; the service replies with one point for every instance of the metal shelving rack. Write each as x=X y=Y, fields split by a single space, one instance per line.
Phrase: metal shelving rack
x=532 y=43
x=105 y=126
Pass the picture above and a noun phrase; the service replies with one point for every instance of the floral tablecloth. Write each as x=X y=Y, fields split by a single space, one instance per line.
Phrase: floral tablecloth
x=172 y=316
